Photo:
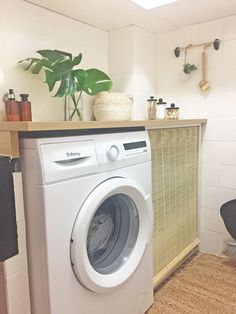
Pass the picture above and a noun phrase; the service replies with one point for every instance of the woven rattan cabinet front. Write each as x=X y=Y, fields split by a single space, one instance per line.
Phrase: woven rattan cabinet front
x=175 y=189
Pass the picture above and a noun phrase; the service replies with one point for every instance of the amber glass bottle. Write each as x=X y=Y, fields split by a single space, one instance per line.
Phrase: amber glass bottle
x=25 y=108
x=12 y=107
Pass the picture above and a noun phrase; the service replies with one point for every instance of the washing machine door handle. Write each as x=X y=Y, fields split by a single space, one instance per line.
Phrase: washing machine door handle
x=110 y=234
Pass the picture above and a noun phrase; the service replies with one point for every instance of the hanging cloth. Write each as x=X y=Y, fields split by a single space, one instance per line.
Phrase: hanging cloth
x=8 y=227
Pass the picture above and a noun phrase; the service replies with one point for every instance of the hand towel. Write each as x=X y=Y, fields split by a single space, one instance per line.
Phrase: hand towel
x=8 y=227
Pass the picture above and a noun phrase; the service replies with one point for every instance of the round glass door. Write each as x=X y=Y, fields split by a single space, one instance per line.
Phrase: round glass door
x=110 y=234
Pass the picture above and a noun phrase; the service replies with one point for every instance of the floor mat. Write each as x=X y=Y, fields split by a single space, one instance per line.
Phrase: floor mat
x=207 y=284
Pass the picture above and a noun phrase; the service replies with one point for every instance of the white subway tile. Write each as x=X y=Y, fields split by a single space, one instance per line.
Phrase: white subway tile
x=122 y=82
x=212 y=131
x=210 y=197
x=227 y=177
x=214 y=78
x=210 y=152
x=16 y=263
x=228 y=82
x=1 y=41
x=144 y=83
x=229 y=48
x=18 y=190
x=120 y=62
x=188 y=105
x=228 y=129
x=221 y=226
x=209 y=105
x=16 y=43
x=40 y=41
x=226 y=194
x=120 y=39
x=145 y=62
x=227 y=152
x=18 y=293
x=228 y=27
x=214 y=58
x=222 y=242
x=21 y=236
x=208 y=219
x=167 y=42
x=228 y=101
x=209 y=241
x=210 y=174
x=139 y=107
x=143 y=40
x=186 y=34
x=210 y=30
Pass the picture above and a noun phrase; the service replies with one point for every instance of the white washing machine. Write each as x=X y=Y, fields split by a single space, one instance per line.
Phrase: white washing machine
x=89 y=223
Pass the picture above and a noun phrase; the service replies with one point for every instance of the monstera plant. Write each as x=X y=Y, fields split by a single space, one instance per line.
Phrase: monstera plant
x=62 y=73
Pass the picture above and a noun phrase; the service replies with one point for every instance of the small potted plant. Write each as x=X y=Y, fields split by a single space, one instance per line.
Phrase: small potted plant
x=188 y=68
x=62 y=68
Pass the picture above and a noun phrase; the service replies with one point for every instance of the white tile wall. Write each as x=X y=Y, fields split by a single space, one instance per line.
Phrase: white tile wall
x=132 y=65
x=143 y=65
x=209 y=219
x=25 y=28
x=21 y=37
x=210 y=175
x=218 y=105
x=18 y=293
x=209 y=240
x=16 y=268
x=209 y=197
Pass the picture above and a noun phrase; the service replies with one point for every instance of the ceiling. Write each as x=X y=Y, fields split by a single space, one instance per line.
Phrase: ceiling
x=112 y=14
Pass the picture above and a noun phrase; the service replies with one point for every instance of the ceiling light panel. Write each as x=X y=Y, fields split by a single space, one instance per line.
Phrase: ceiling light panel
x=151 y=4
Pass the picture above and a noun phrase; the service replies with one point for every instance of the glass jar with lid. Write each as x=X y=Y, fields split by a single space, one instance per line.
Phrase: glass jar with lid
x=172 y=112
x=161 y=109
x=151 y=102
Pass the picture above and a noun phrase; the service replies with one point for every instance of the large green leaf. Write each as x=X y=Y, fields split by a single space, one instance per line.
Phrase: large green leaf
x=36 y=64
x=80 y=76
x=50 y=79
x=77 y=59
x=59 y=67
x=96 y=81
x=52 y=55
x=37 y=68
x=31 y=62
x=63 y=87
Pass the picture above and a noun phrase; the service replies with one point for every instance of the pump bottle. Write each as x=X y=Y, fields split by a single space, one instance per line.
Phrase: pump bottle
x=12 y=107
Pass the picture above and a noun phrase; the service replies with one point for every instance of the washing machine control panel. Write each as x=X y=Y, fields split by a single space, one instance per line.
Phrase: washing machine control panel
x=122 y=150
x=113 y=152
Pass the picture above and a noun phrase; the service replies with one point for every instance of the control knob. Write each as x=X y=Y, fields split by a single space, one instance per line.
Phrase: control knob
x=113 y=152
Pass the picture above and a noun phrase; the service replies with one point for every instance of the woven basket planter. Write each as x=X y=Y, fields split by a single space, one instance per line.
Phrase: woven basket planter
x=113 y=106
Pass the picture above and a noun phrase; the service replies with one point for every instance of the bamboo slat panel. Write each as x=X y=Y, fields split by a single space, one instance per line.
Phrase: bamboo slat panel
x=174 y=180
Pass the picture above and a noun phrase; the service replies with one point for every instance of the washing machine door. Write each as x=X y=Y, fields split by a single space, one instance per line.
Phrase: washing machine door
x=110 y=234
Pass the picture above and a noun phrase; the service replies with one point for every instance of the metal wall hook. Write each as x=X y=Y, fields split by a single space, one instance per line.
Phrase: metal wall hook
x=216 y=44
x=177 y=52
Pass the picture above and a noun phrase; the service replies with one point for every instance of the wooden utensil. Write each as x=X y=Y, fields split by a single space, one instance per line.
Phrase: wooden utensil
x=203 y=84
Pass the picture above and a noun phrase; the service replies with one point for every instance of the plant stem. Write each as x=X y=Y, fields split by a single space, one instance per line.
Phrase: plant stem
x=76 y=109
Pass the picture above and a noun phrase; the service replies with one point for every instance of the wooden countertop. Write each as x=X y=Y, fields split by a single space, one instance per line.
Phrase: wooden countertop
x=9 y=131
x=69 y=125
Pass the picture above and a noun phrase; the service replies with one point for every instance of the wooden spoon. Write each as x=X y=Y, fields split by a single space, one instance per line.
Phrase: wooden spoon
x=203 y=84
